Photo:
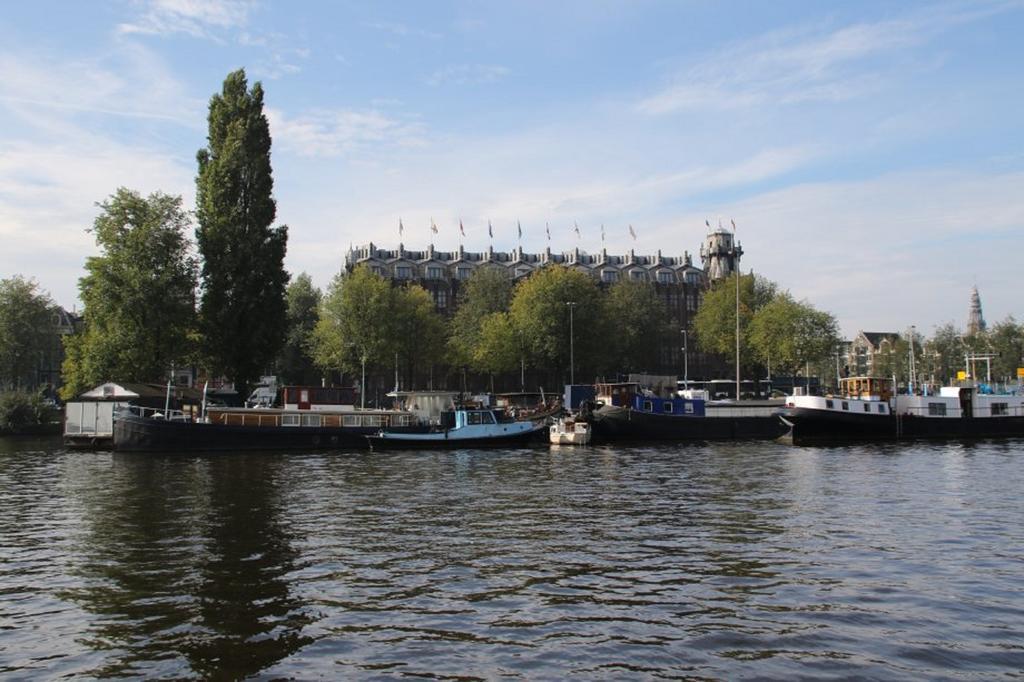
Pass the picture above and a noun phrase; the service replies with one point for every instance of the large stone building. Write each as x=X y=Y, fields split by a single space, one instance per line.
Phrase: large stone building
x=677 y=280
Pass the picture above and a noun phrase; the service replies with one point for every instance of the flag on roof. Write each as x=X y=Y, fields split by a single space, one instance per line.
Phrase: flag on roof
x=401 y=228
x=707 y=223
x=462 y=230
x=547 y=228
x=602 y=231
x=577 y=228
x=632 y=232
x=733 y=224
x=433 y=226
x=519 y=226
x=490 y=230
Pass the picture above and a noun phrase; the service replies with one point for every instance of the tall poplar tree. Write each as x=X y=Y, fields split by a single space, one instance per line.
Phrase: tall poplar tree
x=243 y=309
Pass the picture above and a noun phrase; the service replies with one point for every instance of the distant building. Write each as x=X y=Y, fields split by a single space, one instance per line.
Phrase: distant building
x=678 y=282
x=975 y=320
x=865 y=350
x=51 y=356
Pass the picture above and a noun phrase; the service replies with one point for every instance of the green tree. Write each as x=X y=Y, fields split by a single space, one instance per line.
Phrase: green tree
x=417 y=330
x=1006 y=340
x=500 y=348
x=639 y=320
x=714 y=325
x=352 y=329
x=540 y=314
x=487 y=291
x=243 y=311
x=26 y=327
x=791 y=334
x=943 y=354
x=139 y=294
x=295 y=363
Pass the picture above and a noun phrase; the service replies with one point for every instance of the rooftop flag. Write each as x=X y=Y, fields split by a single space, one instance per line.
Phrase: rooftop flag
x=632 y=232
x=490 y=230
x=707 y=223
x=519 y=226
x=401 y=228
x=433 y=226
x=602 y=231
x=462 y=230
x=733 y=224
x=577 y=229
x=547 y=228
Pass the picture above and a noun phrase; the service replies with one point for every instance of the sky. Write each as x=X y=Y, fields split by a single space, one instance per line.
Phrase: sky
x=871 y=154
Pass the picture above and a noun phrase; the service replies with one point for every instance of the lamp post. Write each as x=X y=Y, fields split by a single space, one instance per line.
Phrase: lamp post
x=686 y=359
x=362 y=385
x=572 y=352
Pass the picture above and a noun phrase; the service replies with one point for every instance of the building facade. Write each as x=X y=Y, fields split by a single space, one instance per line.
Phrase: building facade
x=865 y=350
x=678 y=282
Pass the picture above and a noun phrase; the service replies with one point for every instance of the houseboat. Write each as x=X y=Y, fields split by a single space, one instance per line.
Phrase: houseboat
x=865 y=408
x=311 y=418
x=626 y=411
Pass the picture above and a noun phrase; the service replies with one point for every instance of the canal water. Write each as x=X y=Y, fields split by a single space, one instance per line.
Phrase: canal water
x=721 y=561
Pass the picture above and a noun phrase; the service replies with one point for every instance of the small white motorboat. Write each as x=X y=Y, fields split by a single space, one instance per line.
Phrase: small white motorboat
x=569 y=431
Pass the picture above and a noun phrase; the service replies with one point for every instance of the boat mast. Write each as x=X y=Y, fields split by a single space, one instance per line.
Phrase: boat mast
x=736 y=267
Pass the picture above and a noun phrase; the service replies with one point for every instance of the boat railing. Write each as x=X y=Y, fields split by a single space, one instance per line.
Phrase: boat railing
x=944 y=410
x=158 y=413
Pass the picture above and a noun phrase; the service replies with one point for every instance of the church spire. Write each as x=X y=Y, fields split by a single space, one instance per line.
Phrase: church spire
x=975 y=320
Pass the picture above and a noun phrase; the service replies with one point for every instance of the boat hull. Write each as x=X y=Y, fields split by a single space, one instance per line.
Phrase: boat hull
x=448 y=440
x=808 y=425
x=611 y=423
x=133 y=433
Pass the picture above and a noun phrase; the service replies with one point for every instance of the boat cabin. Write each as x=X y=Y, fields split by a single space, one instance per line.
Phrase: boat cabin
x=631 y=395
x=866 y=388
x=457 y=419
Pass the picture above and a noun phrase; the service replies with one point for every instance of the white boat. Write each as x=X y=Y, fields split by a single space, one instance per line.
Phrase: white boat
x=463 y=428
x=569 y=431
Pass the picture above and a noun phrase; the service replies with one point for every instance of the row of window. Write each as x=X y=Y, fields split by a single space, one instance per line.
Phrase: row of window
x=464 y=273
x=830 y=404
x=668 y=407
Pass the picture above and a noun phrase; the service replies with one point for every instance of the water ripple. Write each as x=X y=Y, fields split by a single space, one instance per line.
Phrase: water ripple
x=699 y=562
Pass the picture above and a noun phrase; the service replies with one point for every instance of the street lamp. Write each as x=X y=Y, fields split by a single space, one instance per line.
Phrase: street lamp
x=686 y=359
x=572 y=354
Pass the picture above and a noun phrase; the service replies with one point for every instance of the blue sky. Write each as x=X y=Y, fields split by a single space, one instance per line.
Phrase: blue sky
x=871 y=154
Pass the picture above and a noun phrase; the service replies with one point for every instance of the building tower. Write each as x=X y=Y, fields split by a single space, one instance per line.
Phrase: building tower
x=720 y=254
x=975 y=320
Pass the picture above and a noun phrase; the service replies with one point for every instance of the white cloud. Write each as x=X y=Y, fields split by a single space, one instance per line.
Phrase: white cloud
x=339 y=131
x=402 y=30
x=197 y=18
x=467 y=74
x=807 y=64
x=891 y=251
x=127 y=82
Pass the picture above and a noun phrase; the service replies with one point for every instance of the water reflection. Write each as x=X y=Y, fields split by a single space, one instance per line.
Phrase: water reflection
x=181 y=564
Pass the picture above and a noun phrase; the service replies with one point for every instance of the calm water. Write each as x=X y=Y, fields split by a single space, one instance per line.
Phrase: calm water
x=720 y=561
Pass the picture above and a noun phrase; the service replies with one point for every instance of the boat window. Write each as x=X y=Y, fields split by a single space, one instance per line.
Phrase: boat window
x=668 y=406
x=881 y=409
x=1000 y=409
x=311 y=420
x=473 y=418
x=867 y=407
x=688 y=408
x=289 y=420
x=648 y=407
x=846 y=405
x=829 y=404
x=350 y=420
x=937 y=409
